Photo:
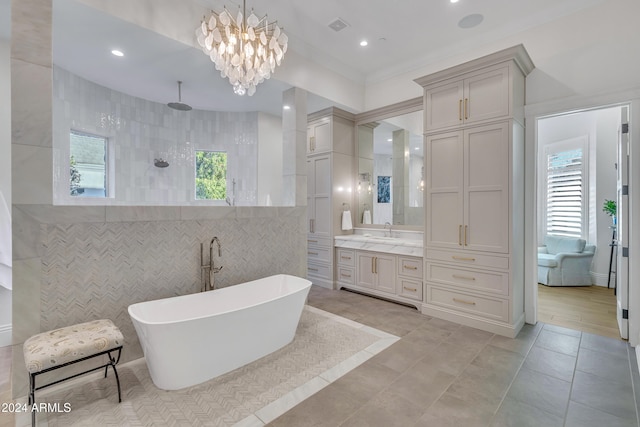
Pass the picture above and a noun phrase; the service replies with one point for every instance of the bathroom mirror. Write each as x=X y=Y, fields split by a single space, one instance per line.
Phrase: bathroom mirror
x=390 y=179
x=118 y=133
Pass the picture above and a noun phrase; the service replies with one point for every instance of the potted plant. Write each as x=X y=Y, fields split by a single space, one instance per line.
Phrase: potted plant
x=610 y=209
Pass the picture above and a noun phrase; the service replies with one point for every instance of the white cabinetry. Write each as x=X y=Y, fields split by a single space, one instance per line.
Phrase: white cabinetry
x=474 y=215
x=395 y=277
x=467 y=188
x=478 y=96
x=329 y=166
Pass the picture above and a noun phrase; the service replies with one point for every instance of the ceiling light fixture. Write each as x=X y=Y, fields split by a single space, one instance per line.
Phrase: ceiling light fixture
x=117 y=52
x=245 y=50
x=363 y=43
x=454 y=1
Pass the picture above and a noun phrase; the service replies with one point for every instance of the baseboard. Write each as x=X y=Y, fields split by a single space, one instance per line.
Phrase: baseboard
x=493 y=326
x=601 y=279
x=5 y=335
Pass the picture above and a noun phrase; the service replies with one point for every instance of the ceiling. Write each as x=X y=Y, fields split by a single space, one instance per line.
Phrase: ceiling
x=402 y=36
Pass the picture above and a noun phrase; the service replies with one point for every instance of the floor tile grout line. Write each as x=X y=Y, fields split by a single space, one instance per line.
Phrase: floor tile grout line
x=575 y=368
x=524 y=359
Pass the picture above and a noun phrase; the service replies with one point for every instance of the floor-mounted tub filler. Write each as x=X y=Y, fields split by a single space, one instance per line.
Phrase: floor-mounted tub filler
x=190 y=339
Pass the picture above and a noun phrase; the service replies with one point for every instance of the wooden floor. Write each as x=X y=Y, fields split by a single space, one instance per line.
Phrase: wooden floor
x=584 y=308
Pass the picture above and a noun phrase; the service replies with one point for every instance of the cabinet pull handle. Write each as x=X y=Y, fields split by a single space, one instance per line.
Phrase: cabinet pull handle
x=457 y=276
x=465 y=236
x=312 y=241
x=345 y=257
x=460 y=235
x=312 y=253
x=460 y=110
x=312 y=269
x=463 y=301
x=410 y=289
x=345 y=275
x=409 y=267
x=312 y=143
x=462 y=258
x=466 y=108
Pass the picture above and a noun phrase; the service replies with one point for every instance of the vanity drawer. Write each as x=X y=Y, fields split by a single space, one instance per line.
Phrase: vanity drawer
x=411 y=267
x=320 y=271
x=346 y=257
x=315 y=241
x=491 y=308
x=409 y=288
x=486 y=281
x=318 y=254
x=346 y=275
x=468 y=258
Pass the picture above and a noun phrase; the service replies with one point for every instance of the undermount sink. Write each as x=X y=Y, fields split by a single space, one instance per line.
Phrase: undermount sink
x=382 y=238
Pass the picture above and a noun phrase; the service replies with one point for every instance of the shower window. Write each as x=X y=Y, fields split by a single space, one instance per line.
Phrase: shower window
x=211 y=175
x=88 y=165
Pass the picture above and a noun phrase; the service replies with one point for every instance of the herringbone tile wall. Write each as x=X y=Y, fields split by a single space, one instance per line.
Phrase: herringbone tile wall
x=96 y=270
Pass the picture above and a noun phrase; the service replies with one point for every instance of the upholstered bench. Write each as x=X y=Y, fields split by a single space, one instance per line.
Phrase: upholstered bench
x=55 y=349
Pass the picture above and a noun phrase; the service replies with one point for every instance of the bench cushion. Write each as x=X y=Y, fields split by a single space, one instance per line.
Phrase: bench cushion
x=70 y=343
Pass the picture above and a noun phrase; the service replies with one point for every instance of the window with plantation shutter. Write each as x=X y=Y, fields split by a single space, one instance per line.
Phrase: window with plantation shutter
x=566 y=192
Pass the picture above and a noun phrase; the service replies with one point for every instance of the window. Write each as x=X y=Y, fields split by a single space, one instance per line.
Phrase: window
x=211 y=175
x=566 y=191
x=88 y=165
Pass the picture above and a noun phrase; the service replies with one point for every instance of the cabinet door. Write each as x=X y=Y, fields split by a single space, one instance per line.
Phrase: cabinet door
x=444 y=190
x=310 y=194
x=319 y=137
x=365 y=270
x=486 y=189
x=444 y=106
x=320 y=206
x=385 y=268
x=486 y=95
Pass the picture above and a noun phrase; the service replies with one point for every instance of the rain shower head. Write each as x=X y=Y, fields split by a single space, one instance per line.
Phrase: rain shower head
x=179 y=105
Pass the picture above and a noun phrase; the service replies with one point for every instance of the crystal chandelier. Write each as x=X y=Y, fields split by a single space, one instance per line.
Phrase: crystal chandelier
x=245 y=50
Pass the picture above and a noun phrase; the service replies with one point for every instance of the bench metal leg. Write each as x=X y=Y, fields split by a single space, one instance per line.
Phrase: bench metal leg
x=112 y=362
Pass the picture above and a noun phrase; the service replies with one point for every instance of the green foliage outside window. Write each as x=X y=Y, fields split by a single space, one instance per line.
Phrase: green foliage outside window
x=211 y=175
x=75 y=177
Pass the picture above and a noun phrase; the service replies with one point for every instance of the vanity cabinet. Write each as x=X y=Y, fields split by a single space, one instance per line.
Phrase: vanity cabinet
x=471 y=98
x=330 y=151
x=376 y=271
x=387 y=275
x=474 y=183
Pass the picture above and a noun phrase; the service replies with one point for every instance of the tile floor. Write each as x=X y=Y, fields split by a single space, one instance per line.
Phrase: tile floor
x=443 y=374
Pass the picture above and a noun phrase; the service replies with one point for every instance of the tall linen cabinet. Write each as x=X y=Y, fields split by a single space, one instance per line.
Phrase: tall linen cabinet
x=330 y=177
x=474 y=184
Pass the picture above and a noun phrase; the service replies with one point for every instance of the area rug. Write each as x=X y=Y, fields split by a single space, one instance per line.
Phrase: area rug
x=326 y=347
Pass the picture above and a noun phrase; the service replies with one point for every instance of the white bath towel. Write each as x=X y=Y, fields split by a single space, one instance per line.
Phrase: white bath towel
x=5 y=244
x=366 y=216
x=346 y=221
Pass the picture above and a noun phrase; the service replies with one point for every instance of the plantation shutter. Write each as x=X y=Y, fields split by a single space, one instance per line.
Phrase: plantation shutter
x=565 y=193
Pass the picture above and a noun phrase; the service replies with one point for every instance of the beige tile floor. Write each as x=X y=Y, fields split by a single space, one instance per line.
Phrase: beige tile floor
x=443 y=374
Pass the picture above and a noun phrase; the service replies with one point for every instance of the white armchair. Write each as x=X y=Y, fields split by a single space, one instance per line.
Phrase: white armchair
x=565 y=261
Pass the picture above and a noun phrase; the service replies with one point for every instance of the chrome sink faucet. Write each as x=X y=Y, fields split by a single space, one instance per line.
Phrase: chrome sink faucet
x=208 y=283
x=385 y=229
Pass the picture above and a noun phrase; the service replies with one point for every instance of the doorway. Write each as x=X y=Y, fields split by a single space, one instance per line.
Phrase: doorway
x=577 y=175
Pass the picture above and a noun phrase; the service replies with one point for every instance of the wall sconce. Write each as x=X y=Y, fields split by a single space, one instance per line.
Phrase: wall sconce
x=366 y=178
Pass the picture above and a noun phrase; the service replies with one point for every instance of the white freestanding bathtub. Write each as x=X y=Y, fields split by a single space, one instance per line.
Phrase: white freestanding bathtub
x=192 y=338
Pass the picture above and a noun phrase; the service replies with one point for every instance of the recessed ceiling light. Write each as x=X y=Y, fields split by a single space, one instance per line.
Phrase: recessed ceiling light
x=390 y=140
x=363 y=43
x=471 y=21
x=454 y=1
x=117 y=52
x=286 y=107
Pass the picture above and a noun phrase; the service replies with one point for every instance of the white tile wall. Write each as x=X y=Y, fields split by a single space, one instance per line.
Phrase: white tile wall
x=142 y=131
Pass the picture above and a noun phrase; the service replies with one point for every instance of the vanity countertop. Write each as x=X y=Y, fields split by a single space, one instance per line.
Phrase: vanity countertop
x=391 y=245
